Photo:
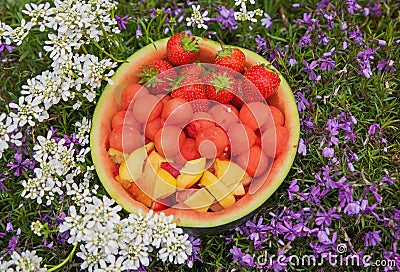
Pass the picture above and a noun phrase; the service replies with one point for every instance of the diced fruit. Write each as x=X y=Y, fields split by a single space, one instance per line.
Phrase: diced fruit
x=164 y=98
x=229 y=172
x=146 y=108
x=164 y=185
x=182 y=195
x=266 y=81
x=189 y=150
x=237 y=191
x=132 y=167
x=211 y=142
x=232 y=58
x=218 y=189
x=182 y=49
x=177 y=111
x=139 y=195
x=200 y=200
x=116 y=156
x=254 y=160
x=170 y=168
x=276 y=118
x=151 y=128
x=125 y=183
x=241 y=137
x=221 y=194
x=149 y=147
x=125 y=139
x=191 y=173
x=216 y=207
x=169 y=140
x=223 y=116
x=200 y=121
x=158 y=206
x=132 y=91
x=125 y=118
x=254 y=114
x=207 y=179
x=274 y=141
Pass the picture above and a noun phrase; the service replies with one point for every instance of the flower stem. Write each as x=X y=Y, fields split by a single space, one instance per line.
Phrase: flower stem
x=105 y=52
x=71 y=254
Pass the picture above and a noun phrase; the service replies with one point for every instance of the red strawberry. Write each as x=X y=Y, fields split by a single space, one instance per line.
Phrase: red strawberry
x=192 y=93
x=155 y=82
x=219 y=87
x=266 y=81
x=182 y=49
x=232 y=58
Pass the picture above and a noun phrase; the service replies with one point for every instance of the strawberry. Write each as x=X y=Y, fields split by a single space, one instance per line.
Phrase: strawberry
x=266 y=81
x=153 y=76
x=192 y=93
x=182 y=49
x=232 y=58
x=219 y=87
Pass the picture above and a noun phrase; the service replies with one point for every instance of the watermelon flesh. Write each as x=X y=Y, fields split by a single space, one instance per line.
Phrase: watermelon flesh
x=262 y=186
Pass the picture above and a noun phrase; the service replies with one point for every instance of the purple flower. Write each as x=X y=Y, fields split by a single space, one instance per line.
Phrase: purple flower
x=304 y=41
x=226 y=18
x=331 y=19
x=328 y=152
x=352 y=6
x=325 y=218
x=372 y=11
x=266 y=21
x=302 y=102
x=293 y=188
x=257 y=232
x=386 y=66
x=387 y=179
x=323 y=4
x=239 y=256
x=364 y=58
x=356 y=35
x=352 y=208
x=20 y=165
x=372 y=129
x=309 y=68
x=302 y=148
x=261 y=43
x=121 y=21
x=138 y=31
x=7 y=47
x=372 y=238
x=326 y=64
x=195 y=250
x=2 y=186
x=324 y=238
x=306 y=19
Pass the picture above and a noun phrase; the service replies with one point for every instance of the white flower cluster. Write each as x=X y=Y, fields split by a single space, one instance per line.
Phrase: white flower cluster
x=244 y=14
x=27 y=261
x=59 y=164
x=197 y=18
x=70 y=24
x=110 y=243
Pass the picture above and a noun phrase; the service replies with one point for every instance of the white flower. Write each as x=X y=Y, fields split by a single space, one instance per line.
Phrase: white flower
x=176 y=250
x=197 y=18
x=76 y=224
x=136 y=254
x=242 y=3
x=27 y=110
x=38 y=11
x=83 y=130
x=18 y=34
x=245 y=15
x=91 y=260
x=37 y=227
x=112 y=264
x=27 y=261
x=6 y=126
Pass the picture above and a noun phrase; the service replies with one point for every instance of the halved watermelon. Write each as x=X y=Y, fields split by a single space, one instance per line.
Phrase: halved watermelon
x=193 y=221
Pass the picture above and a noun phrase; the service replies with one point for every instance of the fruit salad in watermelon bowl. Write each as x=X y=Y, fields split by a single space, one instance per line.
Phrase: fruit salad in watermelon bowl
x=198 y=130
